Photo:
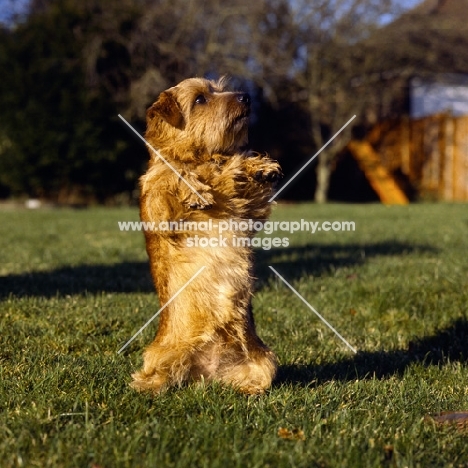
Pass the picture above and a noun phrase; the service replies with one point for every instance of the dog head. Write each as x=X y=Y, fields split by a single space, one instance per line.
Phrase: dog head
x=199 y=117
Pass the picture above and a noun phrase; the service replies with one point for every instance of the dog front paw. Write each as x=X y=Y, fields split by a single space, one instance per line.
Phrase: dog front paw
x=200 y=206
x=268 y=175
x=200 y=201
x=263 y=169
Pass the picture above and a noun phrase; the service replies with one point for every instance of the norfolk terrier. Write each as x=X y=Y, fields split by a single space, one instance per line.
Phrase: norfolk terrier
x=200 y=173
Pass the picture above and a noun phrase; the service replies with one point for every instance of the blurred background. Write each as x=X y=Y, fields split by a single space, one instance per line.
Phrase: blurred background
x=69 y=67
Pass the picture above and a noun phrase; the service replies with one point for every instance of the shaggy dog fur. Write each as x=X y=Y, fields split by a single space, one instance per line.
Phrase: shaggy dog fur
x=207 y=331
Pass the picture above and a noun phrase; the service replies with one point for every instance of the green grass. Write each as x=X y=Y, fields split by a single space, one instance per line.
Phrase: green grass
x=73 y=290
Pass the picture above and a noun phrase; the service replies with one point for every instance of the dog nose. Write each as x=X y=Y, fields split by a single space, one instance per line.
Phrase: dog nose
x=244 y=98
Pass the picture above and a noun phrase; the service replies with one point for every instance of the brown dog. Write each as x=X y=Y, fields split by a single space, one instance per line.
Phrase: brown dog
x=207 y=331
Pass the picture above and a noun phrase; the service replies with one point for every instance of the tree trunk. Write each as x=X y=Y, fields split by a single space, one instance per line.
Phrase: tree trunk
x=323 y=178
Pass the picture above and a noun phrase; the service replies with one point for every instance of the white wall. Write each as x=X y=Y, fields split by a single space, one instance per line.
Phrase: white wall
x=432 y=98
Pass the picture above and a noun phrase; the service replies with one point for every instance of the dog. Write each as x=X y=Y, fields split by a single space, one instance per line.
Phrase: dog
x=200 y=174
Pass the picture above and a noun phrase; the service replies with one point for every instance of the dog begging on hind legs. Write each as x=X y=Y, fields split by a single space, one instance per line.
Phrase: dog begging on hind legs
x=203 y=193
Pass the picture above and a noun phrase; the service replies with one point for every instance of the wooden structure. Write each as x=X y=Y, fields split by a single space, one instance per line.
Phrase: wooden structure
x=378 y=176
x=430 y=153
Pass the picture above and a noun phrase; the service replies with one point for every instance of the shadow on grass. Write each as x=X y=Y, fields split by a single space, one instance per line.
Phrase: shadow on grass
x=121 y=277
x=293 y=262
x=447 y=345
x=317 y=259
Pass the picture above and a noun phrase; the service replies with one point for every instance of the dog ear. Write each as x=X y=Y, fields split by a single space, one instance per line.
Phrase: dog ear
x=168 y=109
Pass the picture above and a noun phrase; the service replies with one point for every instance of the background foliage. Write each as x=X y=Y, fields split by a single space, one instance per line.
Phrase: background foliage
x=69 y=67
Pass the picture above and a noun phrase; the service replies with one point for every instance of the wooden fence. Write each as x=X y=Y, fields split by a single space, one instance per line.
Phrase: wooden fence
x=431 y=153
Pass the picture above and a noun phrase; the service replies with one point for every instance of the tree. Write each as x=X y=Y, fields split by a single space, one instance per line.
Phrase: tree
x=175 y=39
x=70 y=67
x=331 y=34
x=311 y=57
x=62 y=131
x=430 y=40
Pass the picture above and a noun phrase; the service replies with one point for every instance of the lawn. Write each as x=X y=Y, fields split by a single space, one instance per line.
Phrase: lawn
x=74 y=289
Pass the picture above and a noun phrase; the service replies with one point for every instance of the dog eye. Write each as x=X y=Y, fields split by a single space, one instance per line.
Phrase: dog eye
x=200 y=99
